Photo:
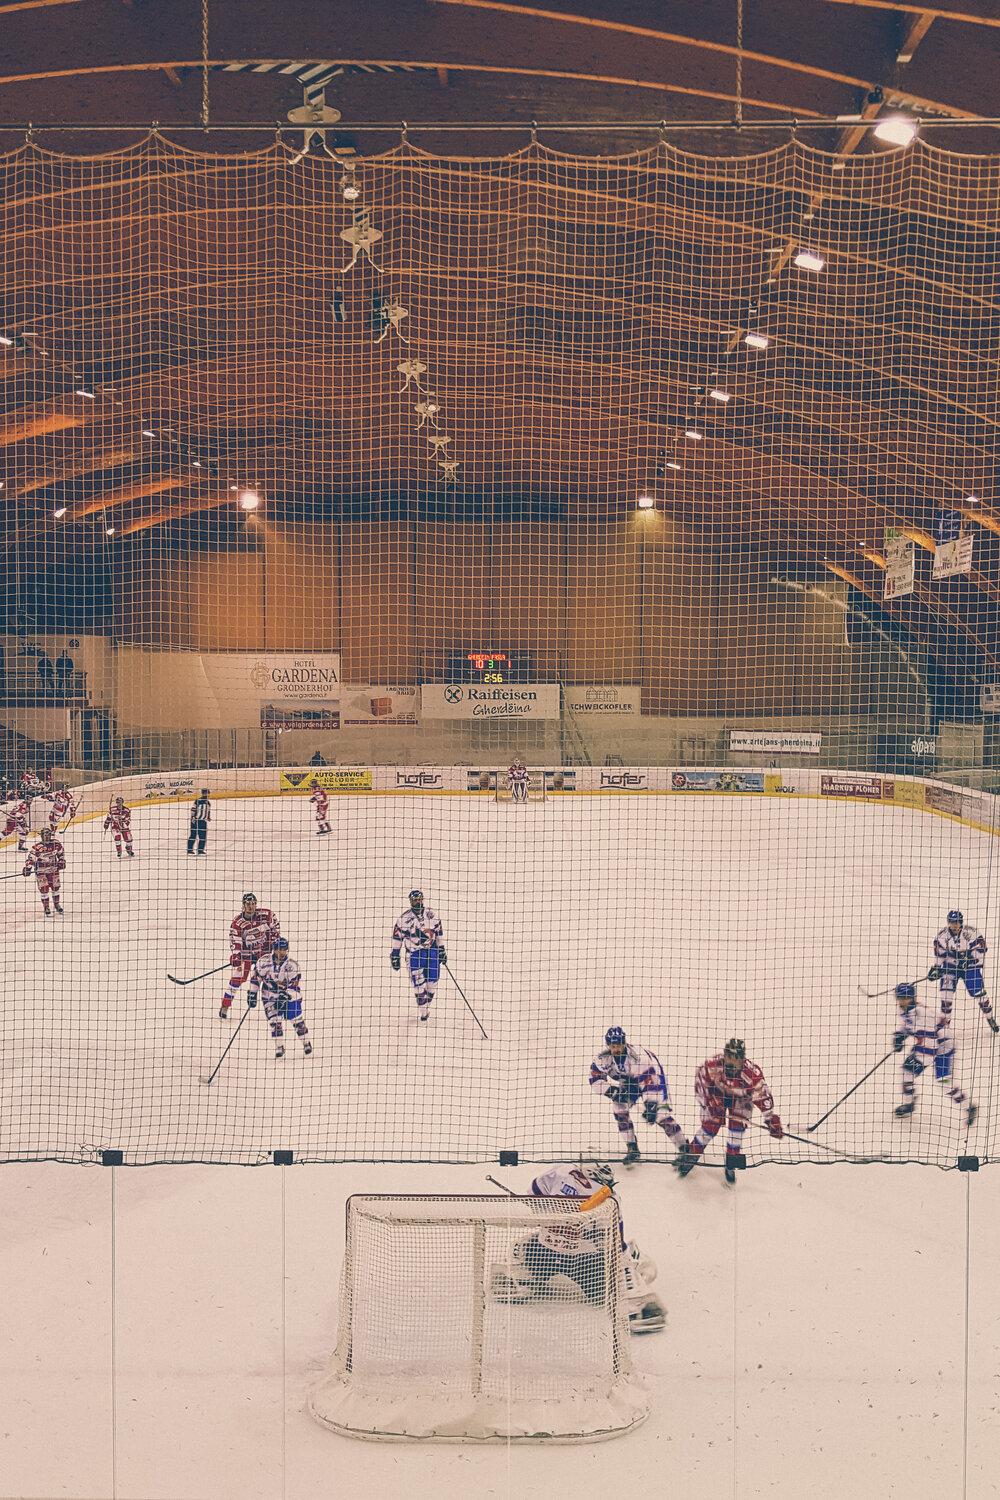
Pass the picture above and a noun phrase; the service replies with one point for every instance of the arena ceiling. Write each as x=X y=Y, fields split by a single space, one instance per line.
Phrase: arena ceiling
x=876 y=404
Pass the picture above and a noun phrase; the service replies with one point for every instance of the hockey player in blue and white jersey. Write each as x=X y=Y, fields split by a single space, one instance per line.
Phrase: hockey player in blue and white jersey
x=959 y=951
x=278 y=980
x=624 y=1074
x=929 y=1027
x=564 y=1261
x=418 y=933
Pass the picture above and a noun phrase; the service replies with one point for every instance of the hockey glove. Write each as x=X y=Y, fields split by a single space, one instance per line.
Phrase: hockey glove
x=935 y=971
x=616 y=1095
x=991 y=1022
x=898 y=1040
x=394 y=960
x=650 y=1110
x=26 y=872
x=251 y=999
x=442 y=956
x=913 y=1065
x=775 y=1127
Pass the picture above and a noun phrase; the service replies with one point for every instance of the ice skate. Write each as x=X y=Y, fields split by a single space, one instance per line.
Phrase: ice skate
x=649 y=1318
x=685 y=1162
x=279 y=1053
x=730 y=1175
x=224 y=1013
x=58 y=907
x=970 y=1118
x=632 y=1154
x=906 y=1109
x=307 y=1048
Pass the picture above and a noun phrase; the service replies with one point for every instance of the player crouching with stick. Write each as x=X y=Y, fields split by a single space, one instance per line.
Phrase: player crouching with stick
x=277 y=977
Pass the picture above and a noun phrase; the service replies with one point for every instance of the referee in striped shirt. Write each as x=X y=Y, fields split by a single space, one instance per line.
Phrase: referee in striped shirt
x=200 y=814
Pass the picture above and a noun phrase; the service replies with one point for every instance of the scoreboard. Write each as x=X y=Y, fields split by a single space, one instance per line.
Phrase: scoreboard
x=489 y=666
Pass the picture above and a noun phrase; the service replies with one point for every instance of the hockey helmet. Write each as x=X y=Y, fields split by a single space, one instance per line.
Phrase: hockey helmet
x=249 y=899
x=416 y=900
x=956 y=921
x=733 y=1056
x=614 y=1040
x=119 y=801
x=279 y=943
x=603 y=1173
x=906 y=996
x=46 y=835
x=204 y=791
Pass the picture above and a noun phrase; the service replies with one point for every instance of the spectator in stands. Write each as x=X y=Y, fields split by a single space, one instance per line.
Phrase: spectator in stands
x=64 y=671
x=317 y=760
x=45 y=674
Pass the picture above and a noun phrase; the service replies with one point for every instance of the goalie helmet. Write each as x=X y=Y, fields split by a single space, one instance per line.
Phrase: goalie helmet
x=733 y=1057
x=906 y=997
x=602 y=1173
x=956 y=922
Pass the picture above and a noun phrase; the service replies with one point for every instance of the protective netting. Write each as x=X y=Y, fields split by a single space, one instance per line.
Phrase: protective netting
x=390 y=471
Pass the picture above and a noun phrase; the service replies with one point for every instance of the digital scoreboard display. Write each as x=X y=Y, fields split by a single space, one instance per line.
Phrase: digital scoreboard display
x=488 y=666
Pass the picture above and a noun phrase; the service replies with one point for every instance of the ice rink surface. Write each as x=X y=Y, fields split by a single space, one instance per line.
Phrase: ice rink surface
x=831 y=1328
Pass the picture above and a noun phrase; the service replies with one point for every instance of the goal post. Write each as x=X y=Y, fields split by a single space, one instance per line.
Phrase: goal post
x=504 y=793
x=453 y=1328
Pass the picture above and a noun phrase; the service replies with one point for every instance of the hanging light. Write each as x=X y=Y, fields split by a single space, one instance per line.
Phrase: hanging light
x=59 y=511
x=720 y=395
x=671 y=464
x=896 y=130
x=109 y=531
x=249 y=500
x=809 y=260
x=693 y=435
x=756 y=340
x=81 y=390
x=645 y=502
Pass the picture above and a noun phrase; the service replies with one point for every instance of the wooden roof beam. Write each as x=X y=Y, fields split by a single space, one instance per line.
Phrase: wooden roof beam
x=915 y=29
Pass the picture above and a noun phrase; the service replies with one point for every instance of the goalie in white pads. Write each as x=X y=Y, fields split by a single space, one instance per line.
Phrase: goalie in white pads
x=277 y=977
x=624 y=1074
x=518 y=781
x=562 y=1261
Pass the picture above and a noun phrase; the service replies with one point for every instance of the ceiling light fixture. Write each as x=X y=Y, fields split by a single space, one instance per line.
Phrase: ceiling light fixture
x=973 y=500
x=693 y=435
x=720 y=395
x=249 y=500
x=148 y=432
x=109 y=531
x=82 y=391
x=896 y=130
x=61 y=511
x=808 y=260
x=645 y=502
x=671 y=464
x=756 y=340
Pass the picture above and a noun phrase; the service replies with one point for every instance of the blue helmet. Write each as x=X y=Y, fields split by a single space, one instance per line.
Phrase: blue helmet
x=906 y=995
x=280 y=943
x=615 y=1037
x=956 y=916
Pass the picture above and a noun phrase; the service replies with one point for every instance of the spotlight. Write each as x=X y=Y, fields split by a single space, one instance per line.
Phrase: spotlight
x=808 y=260
x=61 y=511
x=896 y=130
x=81 y=390
x=645 y=502
x=693 y=435
x=148 y=432
x=756 y=340
x=972 y=500
x=109 y=531
x=671 y=464
x=718 y=395
x=6 y=342
x=195 y=464
x=234 y=486
x=249 y=500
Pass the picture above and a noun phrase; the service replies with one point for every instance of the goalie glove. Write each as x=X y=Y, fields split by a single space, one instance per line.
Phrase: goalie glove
x=898 y=1041
x=394 y=960
x=913 y=1065
x=774 y=1127
x=650 y=1110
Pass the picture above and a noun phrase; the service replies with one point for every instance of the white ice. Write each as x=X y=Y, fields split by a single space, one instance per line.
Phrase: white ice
x=830 y=1328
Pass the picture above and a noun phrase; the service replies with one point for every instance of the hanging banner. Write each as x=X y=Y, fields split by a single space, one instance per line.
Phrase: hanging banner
x=376 y=706
x=603 y=702
x=951 y=558
x=466 y=700
x=899 y=559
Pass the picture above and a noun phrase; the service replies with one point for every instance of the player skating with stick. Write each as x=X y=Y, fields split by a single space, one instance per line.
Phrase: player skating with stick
x=277 y=978
x=959 y=951
x=320 y=800
x=729 y=1085
x=48 y=861
x=418 y=934
x=119 y=820
x=929 y=1028
x=623 y=1074
x=252 y=933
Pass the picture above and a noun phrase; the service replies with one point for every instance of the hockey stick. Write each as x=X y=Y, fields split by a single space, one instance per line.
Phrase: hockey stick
x=790 y=1135
x=462 y=993
x=860 y=1081
x=228 y=1045
x=199 y=976
x=509 y=1191
x=877 y=994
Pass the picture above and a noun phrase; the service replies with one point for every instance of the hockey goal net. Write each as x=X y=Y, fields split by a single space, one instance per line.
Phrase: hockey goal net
x=504 y=791
x=452 y=1325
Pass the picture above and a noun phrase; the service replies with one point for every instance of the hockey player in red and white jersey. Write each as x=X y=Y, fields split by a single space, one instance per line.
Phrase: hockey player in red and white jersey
x=63 y=806
x=48 y=860
x=518 y=780
x=119 y=820
x=278 y=979
x=34 y=786
x=959 y=950
x=251 y=934
x=320 y=800
x=624 y=1073
x=419 y=932
x=728 y=1085
x=17 y=815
